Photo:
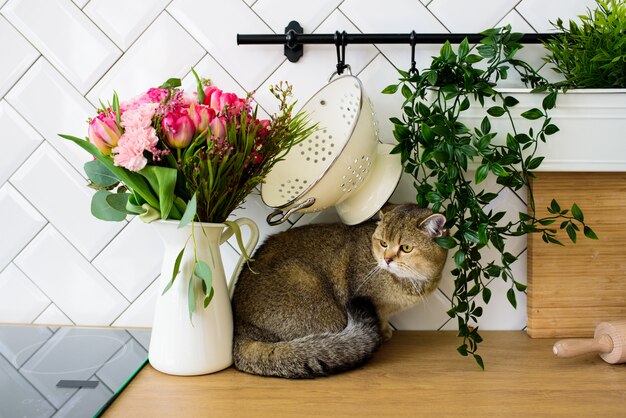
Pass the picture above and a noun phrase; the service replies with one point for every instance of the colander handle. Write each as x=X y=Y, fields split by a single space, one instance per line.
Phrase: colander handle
x=285 y=215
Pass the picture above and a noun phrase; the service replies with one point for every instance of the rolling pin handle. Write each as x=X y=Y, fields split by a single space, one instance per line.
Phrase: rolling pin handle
x=573 y=347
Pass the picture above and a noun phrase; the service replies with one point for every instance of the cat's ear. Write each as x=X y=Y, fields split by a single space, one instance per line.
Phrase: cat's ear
x=434 y=225
x=386 y=208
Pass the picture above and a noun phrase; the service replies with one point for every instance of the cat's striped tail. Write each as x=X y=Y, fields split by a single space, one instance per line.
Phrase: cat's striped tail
x=314 y=355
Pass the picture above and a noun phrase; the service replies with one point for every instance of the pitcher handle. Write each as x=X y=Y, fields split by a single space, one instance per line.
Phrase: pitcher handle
x=249 y=247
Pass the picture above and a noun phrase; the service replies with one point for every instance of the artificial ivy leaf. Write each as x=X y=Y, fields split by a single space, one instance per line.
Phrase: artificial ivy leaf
x=391 y=89
x=532 y=114
x=446 y=242
x=554 y=207
x=479 y=360
x=577 y=213
x=462 y=349
x=510 y=101
x=486 y=294
x=496 y=111
x=485 y=125
x=589 y=233
x=549 y=101
x=481 y=173
x=551 y=129
x=459 y=258
x=510 y=295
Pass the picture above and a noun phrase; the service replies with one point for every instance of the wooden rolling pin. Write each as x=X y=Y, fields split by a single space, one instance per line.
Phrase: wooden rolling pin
x=609 y=340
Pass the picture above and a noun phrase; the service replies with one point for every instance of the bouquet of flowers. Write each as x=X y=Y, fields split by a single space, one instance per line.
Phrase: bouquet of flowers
x=167 y=155
x=163 y=150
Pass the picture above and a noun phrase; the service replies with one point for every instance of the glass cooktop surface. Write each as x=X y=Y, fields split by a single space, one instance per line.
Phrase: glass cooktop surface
x=66 y=371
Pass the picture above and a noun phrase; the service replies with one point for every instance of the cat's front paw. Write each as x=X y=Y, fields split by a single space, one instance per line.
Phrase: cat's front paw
x=386 y=331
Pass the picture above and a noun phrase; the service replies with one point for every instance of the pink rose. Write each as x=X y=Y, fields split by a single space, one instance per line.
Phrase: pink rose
x=178 y=128
x=103 y=132
x=202 y=115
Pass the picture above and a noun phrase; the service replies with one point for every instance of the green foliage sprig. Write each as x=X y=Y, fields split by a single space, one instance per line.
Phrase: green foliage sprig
x=591 y=53
x=437 y=147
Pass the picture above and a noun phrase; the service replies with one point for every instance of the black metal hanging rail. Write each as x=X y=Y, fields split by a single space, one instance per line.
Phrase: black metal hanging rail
x=293 y=39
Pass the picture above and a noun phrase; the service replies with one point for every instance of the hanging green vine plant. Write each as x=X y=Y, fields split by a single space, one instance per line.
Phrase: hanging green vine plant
x=438 y=149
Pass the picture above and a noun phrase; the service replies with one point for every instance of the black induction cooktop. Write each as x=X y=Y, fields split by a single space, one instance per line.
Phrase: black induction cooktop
x=66 y=371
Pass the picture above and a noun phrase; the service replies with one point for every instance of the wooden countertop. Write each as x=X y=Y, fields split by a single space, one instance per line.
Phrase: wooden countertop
x=417 y=374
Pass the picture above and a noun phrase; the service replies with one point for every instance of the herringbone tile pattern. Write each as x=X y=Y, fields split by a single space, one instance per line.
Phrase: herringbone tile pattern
x=58 y=265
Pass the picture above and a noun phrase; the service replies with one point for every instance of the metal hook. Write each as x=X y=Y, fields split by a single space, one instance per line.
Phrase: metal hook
x=341 y=39
x=413 y=41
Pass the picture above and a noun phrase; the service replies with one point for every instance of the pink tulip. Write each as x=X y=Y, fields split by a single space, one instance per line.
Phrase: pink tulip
x=103 y=132
x=218 y=127
x=202 y=115
x=178 y=128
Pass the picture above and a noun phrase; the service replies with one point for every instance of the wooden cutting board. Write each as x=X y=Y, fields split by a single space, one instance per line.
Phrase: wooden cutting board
x=573 y=288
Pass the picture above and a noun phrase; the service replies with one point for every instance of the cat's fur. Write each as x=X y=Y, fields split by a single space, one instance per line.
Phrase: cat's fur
x=319 y=296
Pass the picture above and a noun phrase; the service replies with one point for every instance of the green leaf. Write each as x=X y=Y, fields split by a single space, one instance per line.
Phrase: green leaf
x=462 y=349
x=577 y=213
x=496 y=111
x=532 y=114
x=481 y=173
x=520 y=287
x=190 y=212
x=534 y=163
x=446 y=242
x=486 y=294
x=498 y=170
x=116 y=109
x=549 y=101
x=234 y=228
x=391 y=89
x=209 y=298
x=175 y=271
x=471 y=236
x=99 y=174
x=132 y=180
x=479 y=360
x=191 y=298
x=485 y=125
x=119 y=202
x=459 y=258
x=510 y=295
x=432 y=78
x=510 y=101
x=551 y=129
x=406 y=91
x=554 y=207
x=204 y=272
x=199 y=87
x=171 y=83
x=589 y=233
x=101 y=209
x=163 y=180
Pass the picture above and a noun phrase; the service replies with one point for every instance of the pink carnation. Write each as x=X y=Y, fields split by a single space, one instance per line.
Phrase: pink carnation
x=139 y=136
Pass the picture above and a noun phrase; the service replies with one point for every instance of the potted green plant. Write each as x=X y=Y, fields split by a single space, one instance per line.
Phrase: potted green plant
x=439 y=144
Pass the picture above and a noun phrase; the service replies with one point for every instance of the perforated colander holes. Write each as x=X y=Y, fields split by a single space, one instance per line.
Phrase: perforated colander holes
x=349 y=107
x=292 y=188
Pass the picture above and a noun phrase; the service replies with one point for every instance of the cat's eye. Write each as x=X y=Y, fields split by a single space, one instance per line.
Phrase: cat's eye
x=383 y=243
x=406 y=248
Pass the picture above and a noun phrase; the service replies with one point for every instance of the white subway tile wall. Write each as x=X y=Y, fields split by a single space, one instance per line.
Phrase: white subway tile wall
x=58 y=265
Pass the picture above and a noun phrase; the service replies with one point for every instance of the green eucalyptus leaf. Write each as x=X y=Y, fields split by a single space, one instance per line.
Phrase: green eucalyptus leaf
x=119 y=202
x=204 y=272
x=175 y=271
x=103 y=210
x=99 y=174
x=190 y=212
x=191 y=298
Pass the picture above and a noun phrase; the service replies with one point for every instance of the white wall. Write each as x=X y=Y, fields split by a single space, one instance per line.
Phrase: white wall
x=58 y=265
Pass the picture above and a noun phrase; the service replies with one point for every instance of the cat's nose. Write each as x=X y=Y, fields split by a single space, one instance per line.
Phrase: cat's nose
x=388 y=260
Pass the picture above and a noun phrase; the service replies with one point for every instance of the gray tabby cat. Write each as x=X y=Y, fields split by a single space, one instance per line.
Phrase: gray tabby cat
x=319 y=296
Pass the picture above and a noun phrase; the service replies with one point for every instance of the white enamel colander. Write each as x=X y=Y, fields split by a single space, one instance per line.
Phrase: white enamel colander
x=341 y=164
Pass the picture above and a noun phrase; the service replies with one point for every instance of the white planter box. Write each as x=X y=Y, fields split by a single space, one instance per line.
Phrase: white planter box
x=592 y=125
